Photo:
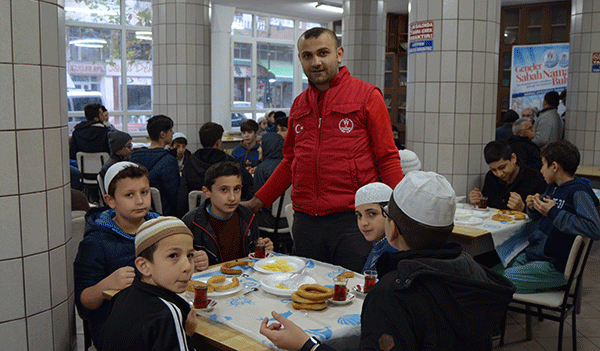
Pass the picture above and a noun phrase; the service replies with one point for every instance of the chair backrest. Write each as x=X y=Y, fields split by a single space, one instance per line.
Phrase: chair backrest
x=287 y=199
x=575 y=262
x=195 y=198
x=289 y=214
x=91 y=163
x=101 y=185
x=156 y=202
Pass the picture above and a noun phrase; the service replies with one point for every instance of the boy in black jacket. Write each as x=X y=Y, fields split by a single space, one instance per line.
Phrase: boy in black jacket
x=149 y=315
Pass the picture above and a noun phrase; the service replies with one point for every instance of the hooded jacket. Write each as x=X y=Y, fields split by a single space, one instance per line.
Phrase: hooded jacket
x=527 y=182
x=243 y=155
x=163 y=172
x=205 y=237
x=272 y=146
x=104 y=249
x=194 y=169
x=433 y=300
x=89 y=136
x=527 y=152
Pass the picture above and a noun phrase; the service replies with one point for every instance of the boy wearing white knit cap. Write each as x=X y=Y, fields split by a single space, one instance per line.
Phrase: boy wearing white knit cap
x=149 y=315
x=368 y=203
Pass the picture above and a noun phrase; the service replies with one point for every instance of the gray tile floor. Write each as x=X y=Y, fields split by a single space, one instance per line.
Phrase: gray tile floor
x=545 y=334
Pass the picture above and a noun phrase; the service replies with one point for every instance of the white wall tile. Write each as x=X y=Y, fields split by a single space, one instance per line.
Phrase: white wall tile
x=420 y=97
x=478 y=67
x=477 y=98
x=435 y=10
x=12 y=303
x=448 y=66
x=28 y=96
x=8 y=160
x=476 y=128
x=62 y=45
x=64 y=132
x=430 y=157
x=33 y=223
x=447 y=97
x=459 y=184
x=39 y=332
x=432 y=99
x=31 y=160
x=60 y=324
x=492 y=33
x=64 y=106
x=37 y=283
x=446 y=127
x=465 y=9
x=421 y=67
x=6 y=90
x=461 y=128
x=58 y=275
x=464 y=66
x=460 y=157
x=449 y=34
x=51 y=97
x=463 y=97
x=56 y=215
x=445 y=158
x=479 y=35
x=53 y=157
x=26 y=32
x=450 y=9
x=13 y=334
x=419 y=126
x=475 y=160
x=433 y=66
x=465 y=35
x=11 y=228
x=49 y=33
x=5 y=34
x=432 y=127
x=480 y=10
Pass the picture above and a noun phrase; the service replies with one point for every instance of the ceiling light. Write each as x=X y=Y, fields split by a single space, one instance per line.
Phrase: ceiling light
x=327 y=7
x=91 y=11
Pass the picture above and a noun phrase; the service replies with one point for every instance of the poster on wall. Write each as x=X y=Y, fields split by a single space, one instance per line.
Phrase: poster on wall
x=536 y=70
x=420 y=37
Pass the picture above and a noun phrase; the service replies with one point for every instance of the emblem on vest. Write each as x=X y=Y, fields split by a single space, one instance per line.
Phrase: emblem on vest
x=298 y=128
x=346 y=125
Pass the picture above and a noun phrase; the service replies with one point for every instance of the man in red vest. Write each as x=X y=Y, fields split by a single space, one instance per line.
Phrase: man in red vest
x=339 y=139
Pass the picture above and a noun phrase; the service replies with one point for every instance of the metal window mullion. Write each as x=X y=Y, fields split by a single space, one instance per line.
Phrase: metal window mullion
x=124 y=102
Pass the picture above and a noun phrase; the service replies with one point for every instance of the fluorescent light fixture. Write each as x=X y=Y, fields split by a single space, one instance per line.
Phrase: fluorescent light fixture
x=91 y=11
x=328 y=7
x=143 y=35
x=88 y=43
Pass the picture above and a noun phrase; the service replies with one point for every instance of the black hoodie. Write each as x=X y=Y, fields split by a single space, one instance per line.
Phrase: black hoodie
x=192 y=176
x=89 y=136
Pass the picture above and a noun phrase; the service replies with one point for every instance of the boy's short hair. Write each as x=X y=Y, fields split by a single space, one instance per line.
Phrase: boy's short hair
x=157 y=124
x=92 y=111
x=151 y=232
x=564 y=153
x=210 y=133
x=423 y=206
x=552 y=98
x=281 y=122
x=221 y=169
x=123 y=170
x=563 y=94
x=497 y=150
x=249 y=125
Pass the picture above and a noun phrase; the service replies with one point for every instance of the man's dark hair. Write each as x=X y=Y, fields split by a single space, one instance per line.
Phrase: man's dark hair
x=316 y=32
x=552 y=98
x=419 y=236
x=158 y=124
x=510 y=116
x=92 y=111
x=281 y=119
x=133 y=172
x=249 y=125
x=563 y=94
x=564 y=153
x=497 y=150
x=221 y=169
x=103 y=108
x=210 y=133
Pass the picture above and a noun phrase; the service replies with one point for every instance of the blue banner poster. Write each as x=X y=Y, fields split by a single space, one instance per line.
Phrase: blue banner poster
x=536 y=70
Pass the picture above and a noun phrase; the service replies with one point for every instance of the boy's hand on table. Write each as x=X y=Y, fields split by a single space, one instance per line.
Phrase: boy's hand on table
x=121 y=278
x=544 y=205
x=191 y=323
x=200 y=260
x=285 y=334
x=268 y=244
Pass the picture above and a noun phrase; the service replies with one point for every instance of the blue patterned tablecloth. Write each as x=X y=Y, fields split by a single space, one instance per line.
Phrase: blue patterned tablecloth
x=338 y=325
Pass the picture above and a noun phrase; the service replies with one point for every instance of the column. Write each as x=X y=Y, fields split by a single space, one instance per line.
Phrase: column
x=36 y=248
x=181 y=47
x=583 y=89
x=363 y=39
x=451 y=90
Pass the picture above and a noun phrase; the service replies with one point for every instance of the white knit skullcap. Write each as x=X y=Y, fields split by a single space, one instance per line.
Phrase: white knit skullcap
x=154 y=230
x=372 y=193
x=114 y=169
x=178 y=135
x=426 y=197
x=409 y=161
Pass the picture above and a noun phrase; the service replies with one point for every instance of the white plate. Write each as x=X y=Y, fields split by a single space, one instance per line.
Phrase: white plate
x=218 y=293
x=269 y=254
x=211 y=304
x=296 y=263
x=475 y=208
x=461 y=214
x=349 y=299
x=481 y=214
x=270 y=282
x=469 y=221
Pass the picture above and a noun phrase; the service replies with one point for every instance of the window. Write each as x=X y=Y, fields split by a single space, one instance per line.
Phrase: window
x=264 y=61
x=109 y=60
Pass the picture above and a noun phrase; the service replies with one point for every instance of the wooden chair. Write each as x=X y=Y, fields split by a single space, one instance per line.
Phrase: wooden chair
x=89 y=165
x=156 y=201
x=195 y=198
x=547 y=303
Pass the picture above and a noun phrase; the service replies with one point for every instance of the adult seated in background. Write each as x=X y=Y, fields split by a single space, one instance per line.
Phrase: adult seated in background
x=281 y=124
x=520 y=142
x=247 y=152
x=431 y=295
x=120 y=149
x=505 y=131
x=90 y=135
x=104 y=118
x=270 y=151
x=508 y=183
x=163 y=170
x=548 y=124
x=194 y=168
x=528 y=113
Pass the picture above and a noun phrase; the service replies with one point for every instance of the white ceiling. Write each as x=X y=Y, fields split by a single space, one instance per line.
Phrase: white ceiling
x=306 y=9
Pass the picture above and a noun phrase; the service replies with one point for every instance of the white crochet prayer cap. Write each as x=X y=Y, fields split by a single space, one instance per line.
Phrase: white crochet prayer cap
x=426 y=197
x=113 y=170
x=179 y=135
x=373 y=193
x=154 y=230
x=409 y=161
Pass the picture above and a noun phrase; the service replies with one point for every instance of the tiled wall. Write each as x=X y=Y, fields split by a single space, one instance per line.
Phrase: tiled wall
x=363 y=39
x=181 y=46
x=583 y=89
x=36 y=250
x=451 y=91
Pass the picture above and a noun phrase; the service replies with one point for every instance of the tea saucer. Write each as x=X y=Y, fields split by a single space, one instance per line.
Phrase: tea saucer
x=211 y=304
x=349 y=298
